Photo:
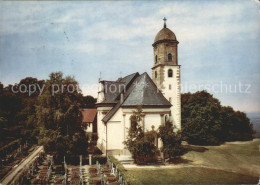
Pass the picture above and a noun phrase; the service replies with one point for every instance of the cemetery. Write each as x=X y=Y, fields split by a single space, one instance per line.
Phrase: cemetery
x=43 y=170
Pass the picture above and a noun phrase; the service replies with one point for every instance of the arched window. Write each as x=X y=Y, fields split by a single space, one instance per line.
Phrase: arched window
x=169 y=57
x=169 y=73
x=155 y=75
x=165 y=119
x=156 y=59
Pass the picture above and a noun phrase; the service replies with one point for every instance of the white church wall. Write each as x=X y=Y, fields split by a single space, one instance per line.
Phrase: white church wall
x=152 y=120
x=115 y=135
x=115 y=131
x=152 y=116
x=101 y=128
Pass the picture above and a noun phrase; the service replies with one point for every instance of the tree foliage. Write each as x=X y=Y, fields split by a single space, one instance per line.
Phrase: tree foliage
x=171 y=138
x=88 y=102
x=206 y=122
x=58 y=112
x=50 y=115
x=140 y=144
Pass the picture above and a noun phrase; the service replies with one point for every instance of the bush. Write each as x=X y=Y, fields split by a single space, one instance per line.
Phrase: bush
x=172 y=146
x=144 y=152
x=140 y=144
x=100 y=158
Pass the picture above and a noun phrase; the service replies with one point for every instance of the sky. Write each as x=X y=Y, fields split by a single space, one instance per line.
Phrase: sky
x=218 y=43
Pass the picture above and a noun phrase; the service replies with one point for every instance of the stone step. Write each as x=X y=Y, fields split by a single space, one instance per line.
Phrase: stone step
x=130 y=161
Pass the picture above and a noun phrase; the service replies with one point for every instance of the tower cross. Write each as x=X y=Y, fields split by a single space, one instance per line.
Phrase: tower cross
x=164 y=19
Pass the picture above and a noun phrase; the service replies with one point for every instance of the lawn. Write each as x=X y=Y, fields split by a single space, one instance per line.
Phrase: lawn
x=187 y=175
x=239 y=157
x=231 y=163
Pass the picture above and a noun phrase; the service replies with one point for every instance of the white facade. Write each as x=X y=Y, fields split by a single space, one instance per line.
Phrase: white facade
x=115 y=131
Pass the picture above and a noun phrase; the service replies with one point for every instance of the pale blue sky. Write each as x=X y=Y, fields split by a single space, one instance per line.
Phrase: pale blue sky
x=219 y=42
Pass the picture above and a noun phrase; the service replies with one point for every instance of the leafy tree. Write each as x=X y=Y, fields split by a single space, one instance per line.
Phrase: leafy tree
x=79 y=144
x=201 y=122
x=235 y=125
x=206 y=122
x=88 y=102
x=58 y=112
x=171 y=139
x=30 y=84
x=58 y=106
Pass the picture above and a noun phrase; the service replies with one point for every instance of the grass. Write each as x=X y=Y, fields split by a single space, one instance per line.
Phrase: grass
x=187 y=175
x=231 y=163
x=240 y=157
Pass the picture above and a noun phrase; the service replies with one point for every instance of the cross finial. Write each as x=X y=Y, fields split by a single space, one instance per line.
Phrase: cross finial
x=164 y=19
x=100 y=79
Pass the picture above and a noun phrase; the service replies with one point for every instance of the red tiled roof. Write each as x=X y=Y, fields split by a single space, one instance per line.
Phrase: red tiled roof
x=88 y=115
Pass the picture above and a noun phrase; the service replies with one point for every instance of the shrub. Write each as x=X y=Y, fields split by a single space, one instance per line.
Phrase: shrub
x=172 y=146
x=140 y=144
x=144 y=151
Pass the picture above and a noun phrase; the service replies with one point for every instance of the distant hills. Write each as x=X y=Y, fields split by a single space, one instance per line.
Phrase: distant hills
x=255 y=119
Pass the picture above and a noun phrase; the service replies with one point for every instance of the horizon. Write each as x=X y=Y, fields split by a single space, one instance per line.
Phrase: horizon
x=82 y=39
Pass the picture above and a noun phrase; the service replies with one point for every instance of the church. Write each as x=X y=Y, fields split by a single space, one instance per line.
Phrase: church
x=158 y=96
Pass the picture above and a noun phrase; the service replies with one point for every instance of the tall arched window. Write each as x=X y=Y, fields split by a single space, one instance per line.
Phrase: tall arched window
x=169 y=57
x=169 y=73
x=156 y=59
x=165 y=119
x=155 y=74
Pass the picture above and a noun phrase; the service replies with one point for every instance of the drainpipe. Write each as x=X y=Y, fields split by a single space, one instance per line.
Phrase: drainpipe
x=106 y=139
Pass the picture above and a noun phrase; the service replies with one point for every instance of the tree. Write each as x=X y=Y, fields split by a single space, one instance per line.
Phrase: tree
x=200 y=118
x=88 y=102
x=58 y=111
x=30 y=84
x=171 y=139
x=235 y=125
x=206 y=122
x=58 y=107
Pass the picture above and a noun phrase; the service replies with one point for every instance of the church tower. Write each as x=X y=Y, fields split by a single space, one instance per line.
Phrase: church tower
x=166 y=71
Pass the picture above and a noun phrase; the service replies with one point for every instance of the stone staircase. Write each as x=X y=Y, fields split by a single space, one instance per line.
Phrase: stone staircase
x=160 y=161
x=124 y=159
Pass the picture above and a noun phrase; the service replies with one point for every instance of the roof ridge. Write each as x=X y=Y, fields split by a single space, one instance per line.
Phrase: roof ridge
x=112 y=81
x=130 y=75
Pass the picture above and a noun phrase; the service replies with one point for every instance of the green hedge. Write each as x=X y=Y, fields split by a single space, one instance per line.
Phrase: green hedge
x=85 y=159
x=126 y=176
